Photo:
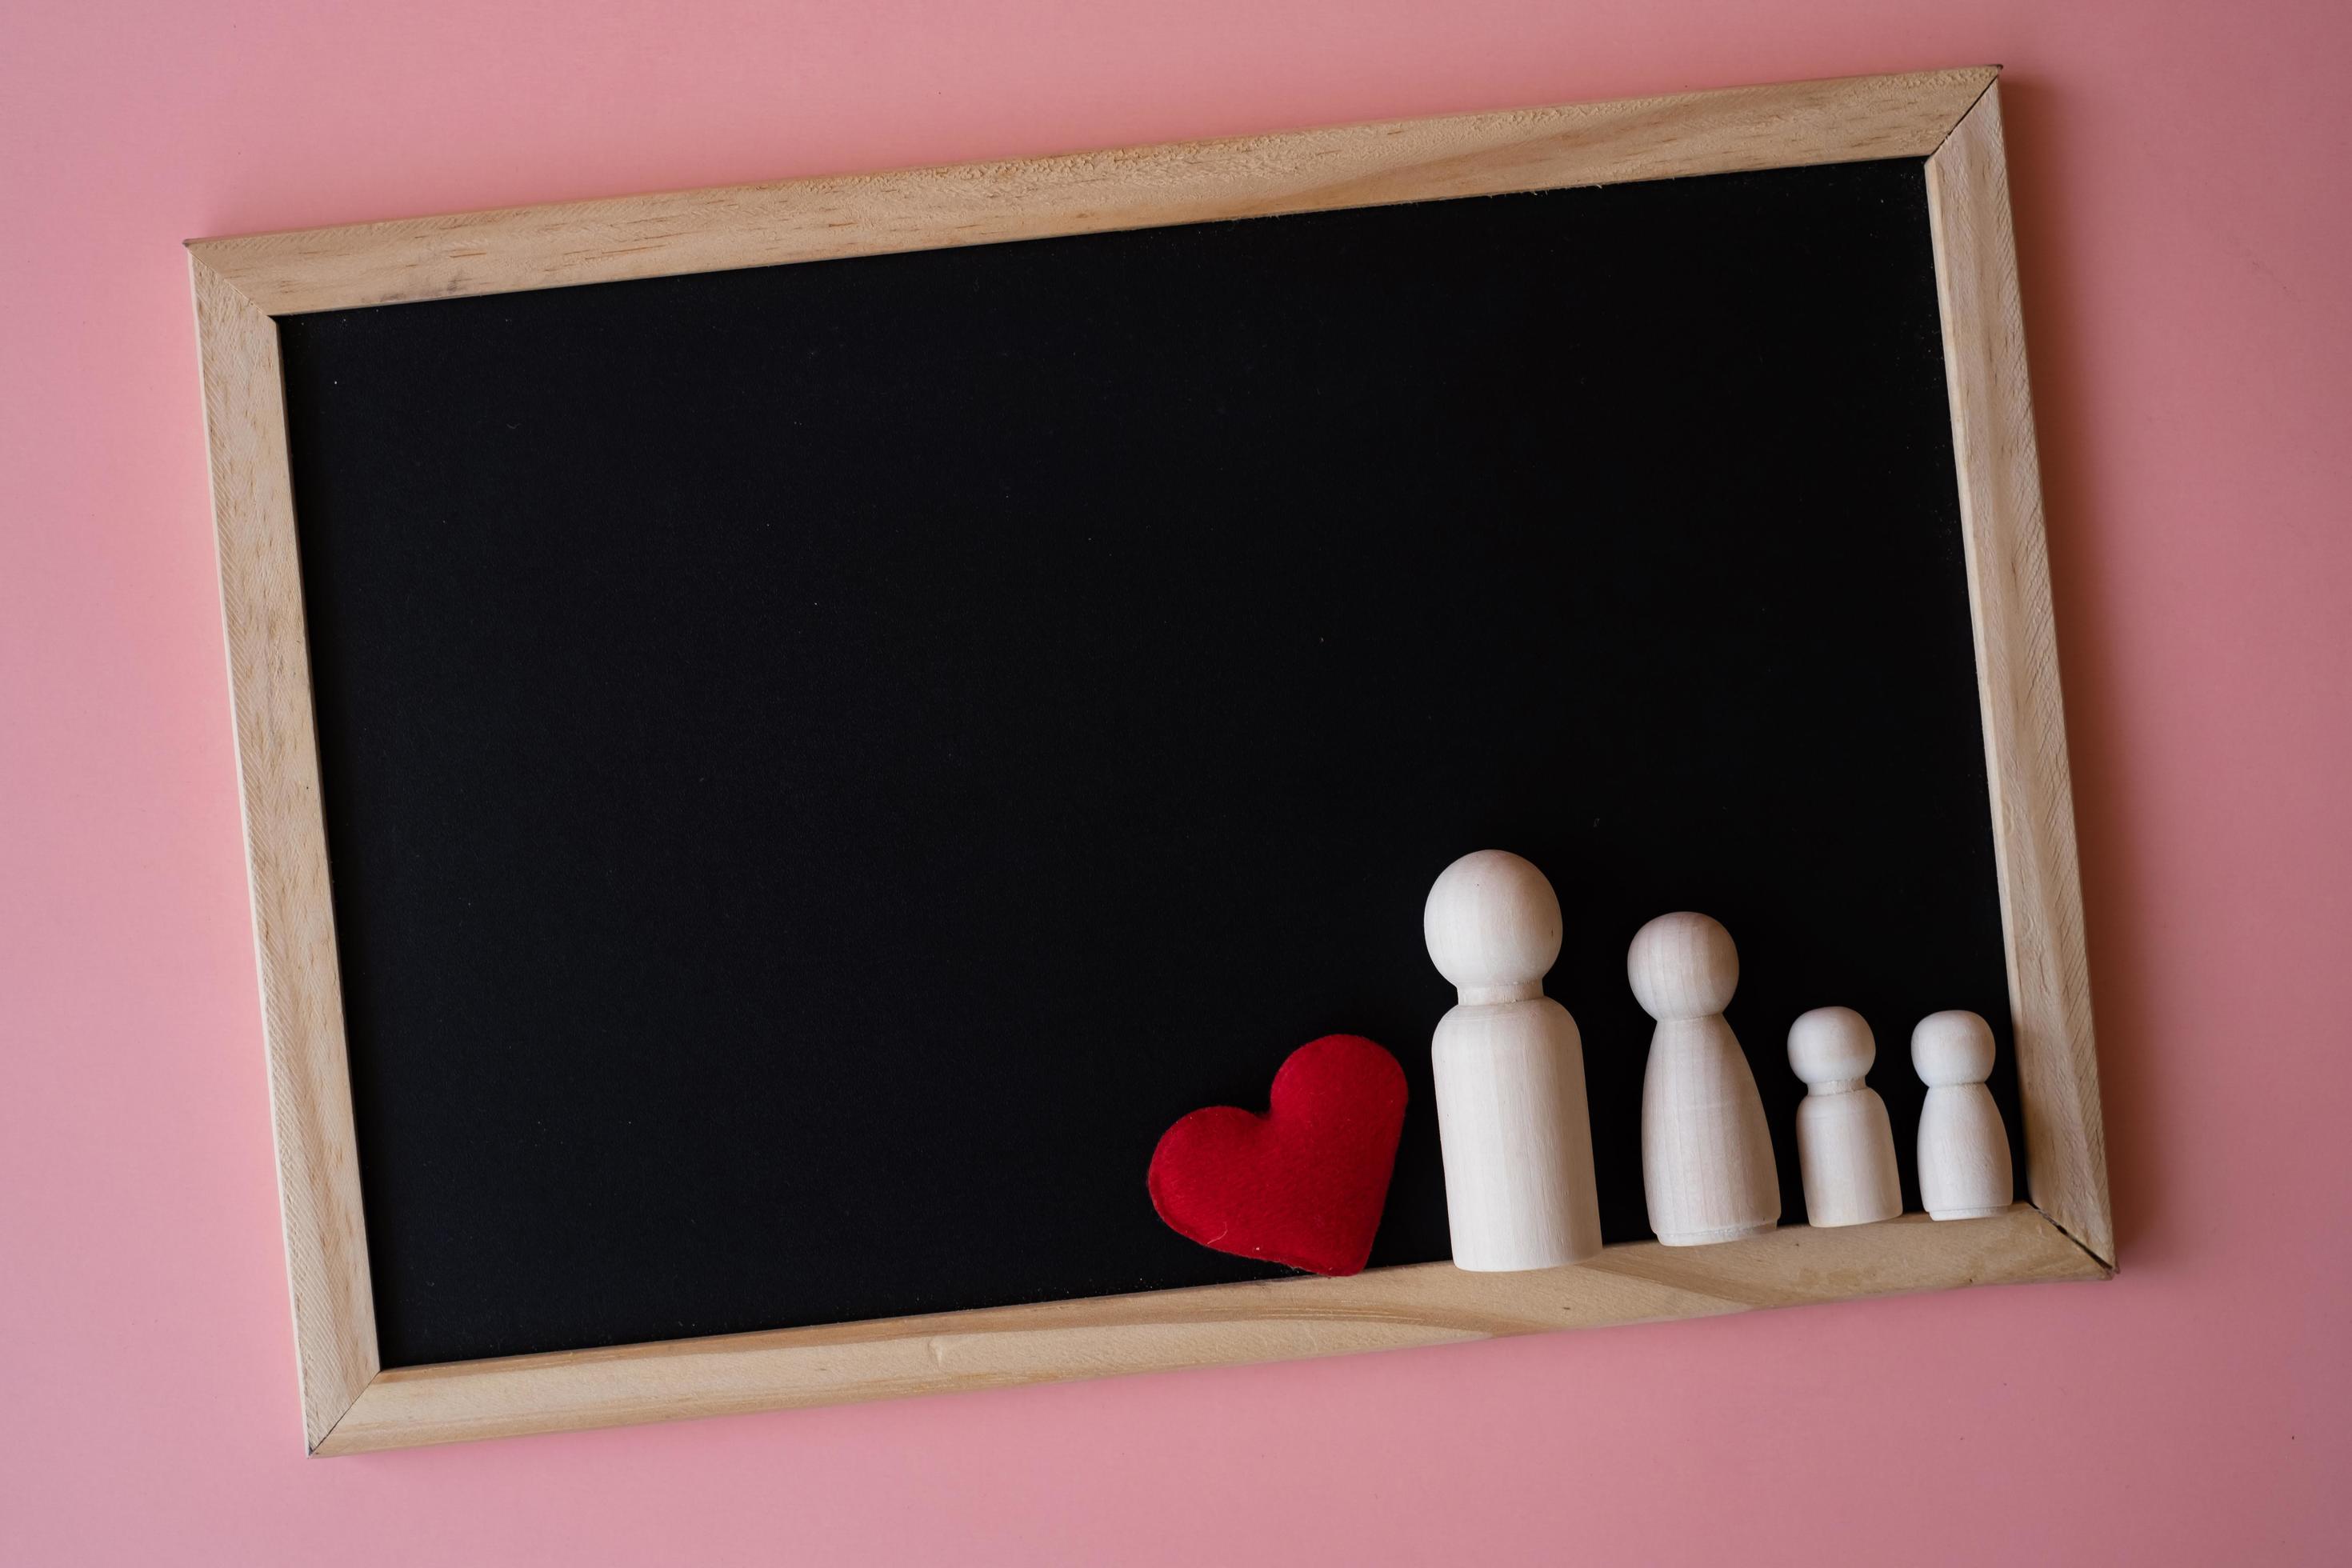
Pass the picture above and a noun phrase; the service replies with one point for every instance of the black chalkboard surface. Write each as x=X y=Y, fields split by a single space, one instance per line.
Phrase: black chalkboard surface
x=823 y=764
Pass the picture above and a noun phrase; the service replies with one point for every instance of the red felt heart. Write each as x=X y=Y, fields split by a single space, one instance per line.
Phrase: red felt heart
x=1303 y=1184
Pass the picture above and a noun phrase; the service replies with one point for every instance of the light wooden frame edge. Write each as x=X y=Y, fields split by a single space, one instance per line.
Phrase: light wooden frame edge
x=2017 y=676
x=1950 y=118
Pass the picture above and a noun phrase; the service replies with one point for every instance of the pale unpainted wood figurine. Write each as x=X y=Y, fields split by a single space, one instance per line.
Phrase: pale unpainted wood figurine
x=1964 y=1165
x=1511 y=1113
x=1707 y=1154
x=1845 y=1145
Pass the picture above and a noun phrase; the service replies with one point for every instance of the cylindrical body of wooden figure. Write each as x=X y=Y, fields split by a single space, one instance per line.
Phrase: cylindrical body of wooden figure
x=1964 y=1168
x=1965 y=1171
x=1707 y=1154
x=1518 y=1139
x=1846 y=1147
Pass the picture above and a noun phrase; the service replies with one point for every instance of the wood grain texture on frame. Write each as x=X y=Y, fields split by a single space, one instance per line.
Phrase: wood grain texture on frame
x=1386 y=1309
x=2017 y=676
x=350 y=1405
x=976 y=204
x=286 y=852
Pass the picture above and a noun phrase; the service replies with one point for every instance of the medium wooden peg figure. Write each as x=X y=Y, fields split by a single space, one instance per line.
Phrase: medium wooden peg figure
x=1845 y=1145
x=1511 y=1116
x=1964 y=1165
x=1707 y=1154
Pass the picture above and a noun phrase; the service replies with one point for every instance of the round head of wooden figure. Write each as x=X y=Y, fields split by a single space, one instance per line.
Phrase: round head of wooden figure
x=1683 y=966
x=1951 y=1048
x=1492 y=923
x=1831 y=1048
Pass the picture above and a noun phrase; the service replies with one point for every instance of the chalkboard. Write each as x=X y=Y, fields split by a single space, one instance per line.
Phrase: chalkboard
x=821 y=763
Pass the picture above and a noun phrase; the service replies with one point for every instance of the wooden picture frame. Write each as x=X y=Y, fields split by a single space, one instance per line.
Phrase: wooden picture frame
x=1951 y=119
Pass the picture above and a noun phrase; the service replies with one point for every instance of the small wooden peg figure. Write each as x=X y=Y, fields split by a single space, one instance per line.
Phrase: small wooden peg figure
x=1845 y=1145
x=1707 y=1154
x=1511 y=1116
x=1964 y=1167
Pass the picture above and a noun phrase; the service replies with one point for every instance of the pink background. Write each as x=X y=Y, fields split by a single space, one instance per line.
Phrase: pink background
x=2182 y=197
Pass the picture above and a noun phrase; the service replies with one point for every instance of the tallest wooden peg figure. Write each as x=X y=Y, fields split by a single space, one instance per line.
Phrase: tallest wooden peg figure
x=1511 y=1115
x=1706 y=1154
